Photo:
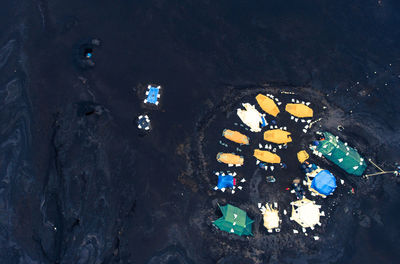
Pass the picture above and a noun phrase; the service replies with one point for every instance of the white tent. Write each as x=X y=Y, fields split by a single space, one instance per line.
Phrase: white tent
x=306 y=213
x=270 y=217
x=250 y=117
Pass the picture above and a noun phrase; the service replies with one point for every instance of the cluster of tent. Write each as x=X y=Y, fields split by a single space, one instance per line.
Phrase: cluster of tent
x=256 y=121
x=251 y=117
x=320 y=182
x=153 y=94
x=236 y=221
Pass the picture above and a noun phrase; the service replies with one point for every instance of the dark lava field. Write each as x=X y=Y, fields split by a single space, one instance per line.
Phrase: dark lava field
x=79 y=183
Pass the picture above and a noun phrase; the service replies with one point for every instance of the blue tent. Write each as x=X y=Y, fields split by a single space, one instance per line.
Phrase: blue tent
x=324 y=182
x=226 y=181
x=152 y=95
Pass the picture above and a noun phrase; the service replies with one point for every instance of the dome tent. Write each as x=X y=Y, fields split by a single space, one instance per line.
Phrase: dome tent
x=319 y=181
x=324 y=182
x=306 y=213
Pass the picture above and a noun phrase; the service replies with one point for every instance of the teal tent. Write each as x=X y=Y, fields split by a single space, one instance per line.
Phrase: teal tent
x=234 y=220
x=342 y=155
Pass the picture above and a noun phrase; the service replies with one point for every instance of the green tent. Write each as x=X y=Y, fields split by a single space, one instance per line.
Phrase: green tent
x=342 y=155
x=234 y=220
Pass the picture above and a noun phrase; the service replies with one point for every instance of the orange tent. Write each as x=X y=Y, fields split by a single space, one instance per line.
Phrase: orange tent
x=299 y=110
x=235 y=136
x=277 y=136
x=230 y=158
x=266 y=156
x=267 y=104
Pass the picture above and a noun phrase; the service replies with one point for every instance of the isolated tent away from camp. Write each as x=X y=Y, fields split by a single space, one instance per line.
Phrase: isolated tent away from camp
x=234 y=220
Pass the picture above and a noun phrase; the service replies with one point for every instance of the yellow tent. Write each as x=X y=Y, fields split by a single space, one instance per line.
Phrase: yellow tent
x=230 y=158
x=299 y=110
x=235 y=136
x=267 y=104
x=266 y=156
x=277 y=136
x=302 y=156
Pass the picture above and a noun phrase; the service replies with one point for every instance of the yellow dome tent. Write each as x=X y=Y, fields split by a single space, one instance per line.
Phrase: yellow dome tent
x=266 y=156
x=267 y=104
x=302 y=156
x=277 y=136
x=299 y=110
x=235 y=136
x=230 y=158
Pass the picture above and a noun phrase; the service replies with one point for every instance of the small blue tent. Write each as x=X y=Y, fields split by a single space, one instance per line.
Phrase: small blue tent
x=226 y=181
x=324 y=182
x=152 y=95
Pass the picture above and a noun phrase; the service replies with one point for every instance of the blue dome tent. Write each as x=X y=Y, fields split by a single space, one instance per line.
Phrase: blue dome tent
x=324 y=182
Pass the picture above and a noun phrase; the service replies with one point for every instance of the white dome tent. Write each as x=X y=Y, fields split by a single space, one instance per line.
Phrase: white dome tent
x=306 y=213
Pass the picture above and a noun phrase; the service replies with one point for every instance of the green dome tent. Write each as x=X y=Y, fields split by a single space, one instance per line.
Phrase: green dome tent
x=234 y=220
x=342 y=155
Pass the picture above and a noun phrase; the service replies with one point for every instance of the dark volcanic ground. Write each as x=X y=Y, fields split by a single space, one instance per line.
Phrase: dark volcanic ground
x=78 y=188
